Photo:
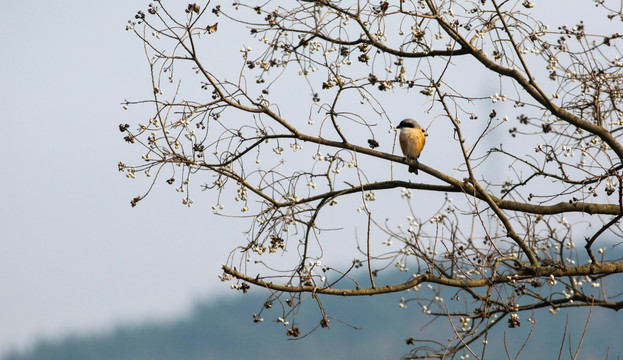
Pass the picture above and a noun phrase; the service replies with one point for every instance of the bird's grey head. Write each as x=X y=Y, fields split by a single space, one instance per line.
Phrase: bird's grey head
x=408 y=123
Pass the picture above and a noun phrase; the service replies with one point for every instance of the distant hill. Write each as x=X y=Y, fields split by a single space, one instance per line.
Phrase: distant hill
x=225 y=330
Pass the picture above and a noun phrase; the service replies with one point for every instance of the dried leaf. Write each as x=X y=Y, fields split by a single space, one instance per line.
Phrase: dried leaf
x=212 y=29
x=193 y=8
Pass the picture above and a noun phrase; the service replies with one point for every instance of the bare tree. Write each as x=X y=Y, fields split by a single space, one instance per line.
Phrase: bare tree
x=519 y=185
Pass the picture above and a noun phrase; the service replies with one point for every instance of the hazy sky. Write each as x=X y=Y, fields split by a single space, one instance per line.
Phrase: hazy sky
x=73 y=253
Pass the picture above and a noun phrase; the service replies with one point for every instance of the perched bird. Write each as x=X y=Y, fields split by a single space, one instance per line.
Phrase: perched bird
x=412 y=139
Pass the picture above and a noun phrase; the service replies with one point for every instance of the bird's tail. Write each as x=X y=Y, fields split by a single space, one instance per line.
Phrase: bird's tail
x=413 y=168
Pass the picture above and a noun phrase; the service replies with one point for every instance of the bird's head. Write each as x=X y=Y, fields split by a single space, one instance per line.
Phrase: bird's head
x=409 y=123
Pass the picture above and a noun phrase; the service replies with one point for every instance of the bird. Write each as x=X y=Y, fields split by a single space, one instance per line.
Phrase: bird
x=412 y=139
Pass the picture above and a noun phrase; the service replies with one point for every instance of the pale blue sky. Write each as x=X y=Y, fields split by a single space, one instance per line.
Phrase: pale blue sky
x=73 y=254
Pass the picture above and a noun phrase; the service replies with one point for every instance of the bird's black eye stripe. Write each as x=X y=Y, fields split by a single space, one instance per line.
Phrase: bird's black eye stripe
x=406 y=125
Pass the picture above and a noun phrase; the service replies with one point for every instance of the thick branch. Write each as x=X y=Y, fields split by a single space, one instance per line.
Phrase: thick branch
x=528 y=273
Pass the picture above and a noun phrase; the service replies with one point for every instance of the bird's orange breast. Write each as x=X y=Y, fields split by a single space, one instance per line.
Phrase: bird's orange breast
x=412 y=142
